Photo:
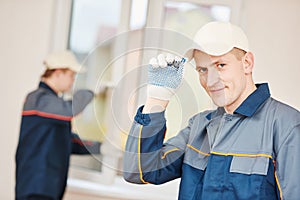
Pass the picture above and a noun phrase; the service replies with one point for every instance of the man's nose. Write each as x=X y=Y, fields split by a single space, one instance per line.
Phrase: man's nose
x=213 y=77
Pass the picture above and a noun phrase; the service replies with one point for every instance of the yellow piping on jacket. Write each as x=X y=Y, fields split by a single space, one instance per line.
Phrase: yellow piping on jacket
x=139 y=157
x=197 y=150
x=277 y=181
x=242 y=154
x=167 y=152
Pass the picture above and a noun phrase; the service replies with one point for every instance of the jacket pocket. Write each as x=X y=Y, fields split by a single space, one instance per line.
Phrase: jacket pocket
x=250 y=165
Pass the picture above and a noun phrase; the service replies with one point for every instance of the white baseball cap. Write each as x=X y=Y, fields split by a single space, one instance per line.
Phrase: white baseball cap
x=63 y=59
x=218 y=38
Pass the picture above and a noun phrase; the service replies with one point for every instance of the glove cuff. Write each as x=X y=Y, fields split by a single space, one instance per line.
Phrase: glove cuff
x=160 y=92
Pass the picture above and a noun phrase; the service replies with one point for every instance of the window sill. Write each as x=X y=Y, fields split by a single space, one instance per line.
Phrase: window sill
x=122 y=190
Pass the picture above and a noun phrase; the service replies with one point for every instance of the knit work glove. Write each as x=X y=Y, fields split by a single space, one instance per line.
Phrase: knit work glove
x=165 y=75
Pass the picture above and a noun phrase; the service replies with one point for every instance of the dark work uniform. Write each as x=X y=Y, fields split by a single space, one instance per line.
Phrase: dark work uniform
x=46 y=142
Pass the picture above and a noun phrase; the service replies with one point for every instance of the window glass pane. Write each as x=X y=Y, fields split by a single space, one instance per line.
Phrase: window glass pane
x=138 y=14
x=93 y=22
x=188 y=17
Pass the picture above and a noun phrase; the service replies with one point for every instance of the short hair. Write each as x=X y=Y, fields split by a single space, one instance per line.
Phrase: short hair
x=238 y=53
x=48 y=72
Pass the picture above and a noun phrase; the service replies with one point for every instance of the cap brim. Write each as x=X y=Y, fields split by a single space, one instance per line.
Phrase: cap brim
x=76 y=69
x=210 y=49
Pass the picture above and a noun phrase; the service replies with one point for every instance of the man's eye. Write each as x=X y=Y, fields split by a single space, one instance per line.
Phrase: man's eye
x=221 y=65
x=202 y=69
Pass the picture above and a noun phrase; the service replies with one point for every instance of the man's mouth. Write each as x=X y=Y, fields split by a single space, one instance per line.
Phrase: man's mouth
x=214 y=90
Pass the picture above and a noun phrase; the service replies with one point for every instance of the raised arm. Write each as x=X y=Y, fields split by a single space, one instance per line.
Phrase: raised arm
x=65 y=110
x=147 y=159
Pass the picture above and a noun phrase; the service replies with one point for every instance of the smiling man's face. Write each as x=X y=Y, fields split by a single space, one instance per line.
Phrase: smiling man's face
x=226 y=78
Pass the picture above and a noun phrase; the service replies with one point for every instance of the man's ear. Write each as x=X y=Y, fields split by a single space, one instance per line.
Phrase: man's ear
x=248 y=62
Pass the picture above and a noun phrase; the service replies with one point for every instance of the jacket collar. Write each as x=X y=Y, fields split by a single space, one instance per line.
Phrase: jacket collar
x=254 y=100
x=47 y=87
x=251 y=103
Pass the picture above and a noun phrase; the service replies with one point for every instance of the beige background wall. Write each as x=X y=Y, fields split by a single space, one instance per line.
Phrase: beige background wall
x=24 y=41
x=273 y=27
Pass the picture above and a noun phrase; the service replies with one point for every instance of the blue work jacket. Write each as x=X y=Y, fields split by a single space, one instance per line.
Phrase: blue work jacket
x=252 y=154
x=46 y=142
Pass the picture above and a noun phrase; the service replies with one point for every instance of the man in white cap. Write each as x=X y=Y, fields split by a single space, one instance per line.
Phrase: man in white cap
x=46 y=140
x=247 y=148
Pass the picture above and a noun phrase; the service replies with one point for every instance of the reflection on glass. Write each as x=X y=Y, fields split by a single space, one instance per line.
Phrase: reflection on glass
x=138 y=14
x=93 y=22
x=187 y=18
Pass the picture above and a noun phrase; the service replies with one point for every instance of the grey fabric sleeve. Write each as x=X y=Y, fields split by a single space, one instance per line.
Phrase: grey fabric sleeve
x=288 y=165
x=81 y=99
x=53 y=105
x=147 y=159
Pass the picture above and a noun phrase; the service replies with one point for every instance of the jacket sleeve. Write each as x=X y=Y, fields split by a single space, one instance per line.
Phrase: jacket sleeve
x=55 y=106
x=81 y=99
x=84 y=146
x=288 y=165
x=147 y=159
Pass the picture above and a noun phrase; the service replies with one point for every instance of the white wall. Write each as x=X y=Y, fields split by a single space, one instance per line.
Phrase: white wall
x=25 y=37
x=273 y=28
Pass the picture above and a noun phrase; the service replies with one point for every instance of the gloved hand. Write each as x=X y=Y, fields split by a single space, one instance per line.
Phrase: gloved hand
x=165 y=74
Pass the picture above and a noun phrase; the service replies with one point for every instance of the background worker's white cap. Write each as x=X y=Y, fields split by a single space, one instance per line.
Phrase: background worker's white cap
x=63 y=59
x=218 y=38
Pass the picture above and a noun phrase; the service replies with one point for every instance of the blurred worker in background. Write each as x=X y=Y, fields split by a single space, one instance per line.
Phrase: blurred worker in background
x=46 y=140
